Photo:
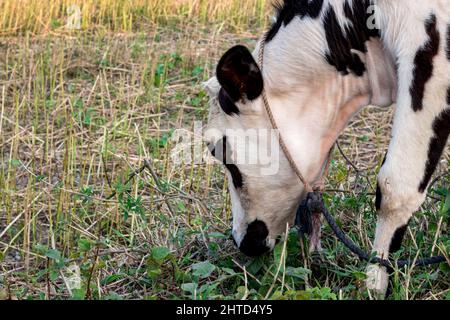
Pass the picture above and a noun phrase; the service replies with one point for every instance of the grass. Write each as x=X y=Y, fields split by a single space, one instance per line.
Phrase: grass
x=82 y=110
x=50 y=16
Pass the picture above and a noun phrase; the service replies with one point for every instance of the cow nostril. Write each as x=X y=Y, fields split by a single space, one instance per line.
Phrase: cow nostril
x=255 y=240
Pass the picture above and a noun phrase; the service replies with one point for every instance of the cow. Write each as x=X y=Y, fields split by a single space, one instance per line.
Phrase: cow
x=325 y=60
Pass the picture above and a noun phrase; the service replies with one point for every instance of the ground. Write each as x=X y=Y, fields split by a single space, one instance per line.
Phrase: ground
x=83 y=110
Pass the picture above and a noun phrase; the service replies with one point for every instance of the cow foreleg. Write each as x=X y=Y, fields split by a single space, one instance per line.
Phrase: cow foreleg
x=420 y=132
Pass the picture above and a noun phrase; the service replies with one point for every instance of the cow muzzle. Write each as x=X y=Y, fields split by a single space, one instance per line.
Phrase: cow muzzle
x=256 y=240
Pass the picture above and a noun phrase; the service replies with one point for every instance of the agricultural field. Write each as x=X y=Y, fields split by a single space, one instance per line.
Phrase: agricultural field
x=93 y=97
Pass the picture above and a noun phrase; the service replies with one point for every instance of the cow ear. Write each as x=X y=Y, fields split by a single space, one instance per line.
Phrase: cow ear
x=239 y=74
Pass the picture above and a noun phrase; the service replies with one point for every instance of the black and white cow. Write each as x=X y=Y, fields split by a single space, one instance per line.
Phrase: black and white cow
x=324 y=60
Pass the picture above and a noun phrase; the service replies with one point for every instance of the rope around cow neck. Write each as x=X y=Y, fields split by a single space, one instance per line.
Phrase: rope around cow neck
x=314 y=203
x=274 y=125
x=315 y=199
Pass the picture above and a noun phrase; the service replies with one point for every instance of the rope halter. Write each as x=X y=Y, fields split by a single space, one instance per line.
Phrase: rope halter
x=274 y=125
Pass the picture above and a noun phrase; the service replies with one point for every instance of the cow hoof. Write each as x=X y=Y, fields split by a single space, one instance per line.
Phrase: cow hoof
x=377 y=280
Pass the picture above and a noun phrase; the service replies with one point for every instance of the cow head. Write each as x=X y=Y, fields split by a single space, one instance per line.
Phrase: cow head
x=264 y=190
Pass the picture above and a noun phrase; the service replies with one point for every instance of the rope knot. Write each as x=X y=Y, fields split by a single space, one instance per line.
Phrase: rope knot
x=313 y=203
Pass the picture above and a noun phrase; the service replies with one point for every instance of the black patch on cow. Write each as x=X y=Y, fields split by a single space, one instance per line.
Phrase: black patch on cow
x=448 y=42
x=290 y=9
x=378 y=198
x=254 y=243
x=397 y=239
x=227 y=104
x=379 y=195
x=423 y=63
x=340 y=54
x=221 y=152
x=448 y=96
x=236 y=175
x=340 y=41
x=441 y=129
